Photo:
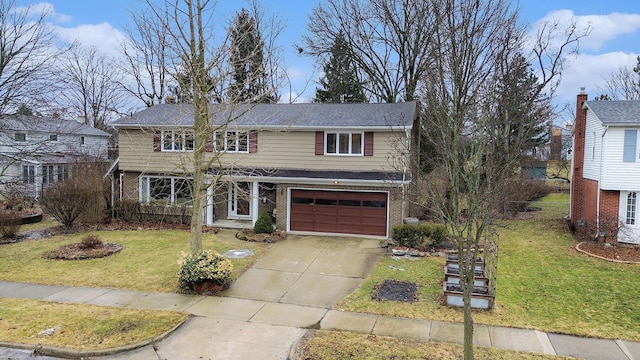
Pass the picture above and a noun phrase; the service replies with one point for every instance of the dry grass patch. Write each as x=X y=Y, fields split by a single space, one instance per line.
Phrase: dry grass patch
x=148 y=261
x=344 y=345
x=81 y=327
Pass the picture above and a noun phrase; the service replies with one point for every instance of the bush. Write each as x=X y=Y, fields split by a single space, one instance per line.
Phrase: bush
x=424 y=234
x=91 y=242
x=203 y=266
x=263 y=224
x=9 y=224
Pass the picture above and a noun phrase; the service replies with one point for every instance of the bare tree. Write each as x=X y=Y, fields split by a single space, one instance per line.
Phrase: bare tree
x=389 y=41
x=469 y=116
x=145 y=54
x=622 y=84
x=27 y=51
x=91 y=86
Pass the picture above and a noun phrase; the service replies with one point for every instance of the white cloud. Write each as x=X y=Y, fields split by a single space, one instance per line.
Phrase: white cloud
x=41 y=8
x=604 y=28
x=590 y=71
x=104 y=37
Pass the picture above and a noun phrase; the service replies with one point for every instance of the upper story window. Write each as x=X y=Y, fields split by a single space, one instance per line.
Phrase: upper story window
x=21 y=137
x=344 y=143
x=630 y=153
x=177 y=140
x=231 y=141
x=53 y=137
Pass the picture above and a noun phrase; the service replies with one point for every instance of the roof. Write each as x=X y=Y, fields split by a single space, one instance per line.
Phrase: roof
x=298 y=175
x=619 y=112
x=48 y=125
x=282 y=116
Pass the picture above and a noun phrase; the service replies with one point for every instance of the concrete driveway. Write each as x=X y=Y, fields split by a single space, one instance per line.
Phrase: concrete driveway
x=313 y=271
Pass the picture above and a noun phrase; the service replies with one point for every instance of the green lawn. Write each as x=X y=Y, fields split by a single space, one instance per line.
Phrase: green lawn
x=543 y=283
x=148 y=262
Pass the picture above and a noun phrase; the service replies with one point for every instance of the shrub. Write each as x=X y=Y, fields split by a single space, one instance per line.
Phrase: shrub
x=203 y=266
x=406 y=235
x=414 y=236
x=91 y=242
x=66 y=200
x=9 y=224
x=263 y=224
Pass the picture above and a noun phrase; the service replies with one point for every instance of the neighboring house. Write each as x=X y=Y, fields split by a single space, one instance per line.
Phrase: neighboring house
x=606 y=169
x=36 y=152
x=327 y=168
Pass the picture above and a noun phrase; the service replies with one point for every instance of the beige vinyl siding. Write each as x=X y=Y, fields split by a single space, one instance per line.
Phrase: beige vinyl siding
x=291 y=149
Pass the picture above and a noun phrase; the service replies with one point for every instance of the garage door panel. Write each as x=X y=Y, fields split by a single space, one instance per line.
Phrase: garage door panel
x=348 y=212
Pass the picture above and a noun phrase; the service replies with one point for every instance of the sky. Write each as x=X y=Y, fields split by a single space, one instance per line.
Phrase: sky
x=614 y=40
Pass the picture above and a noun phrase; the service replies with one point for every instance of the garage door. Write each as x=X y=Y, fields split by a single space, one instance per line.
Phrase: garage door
x=362 y=213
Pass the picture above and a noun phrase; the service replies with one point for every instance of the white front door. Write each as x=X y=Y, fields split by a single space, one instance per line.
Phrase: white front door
x=240 y=200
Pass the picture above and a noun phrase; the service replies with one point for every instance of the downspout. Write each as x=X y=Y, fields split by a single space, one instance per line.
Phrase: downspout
x=600 y=175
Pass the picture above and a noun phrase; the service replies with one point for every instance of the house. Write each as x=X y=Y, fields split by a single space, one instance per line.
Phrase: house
x=320 y=168
x=606 y=169
x=36 y=151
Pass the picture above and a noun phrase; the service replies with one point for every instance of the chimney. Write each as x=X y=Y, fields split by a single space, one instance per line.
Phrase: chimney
x=577 y=180
x=82 y=119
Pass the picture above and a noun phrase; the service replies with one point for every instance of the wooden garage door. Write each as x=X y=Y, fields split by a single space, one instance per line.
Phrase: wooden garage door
x=362 y=213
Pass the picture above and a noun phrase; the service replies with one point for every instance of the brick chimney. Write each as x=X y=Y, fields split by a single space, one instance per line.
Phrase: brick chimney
x=577 y=181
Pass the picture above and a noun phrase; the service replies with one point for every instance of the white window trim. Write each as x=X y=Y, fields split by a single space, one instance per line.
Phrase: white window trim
x=144 y=189
x=182 y=137
x=221 y=141
x=350 y=151
x=622 y=211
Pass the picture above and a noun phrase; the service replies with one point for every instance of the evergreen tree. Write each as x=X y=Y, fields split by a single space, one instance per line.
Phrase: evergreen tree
x=340 y=82
x=247 y=59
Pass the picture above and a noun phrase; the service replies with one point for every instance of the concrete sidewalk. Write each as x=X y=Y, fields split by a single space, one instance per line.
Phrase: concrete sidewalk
x=256 y=329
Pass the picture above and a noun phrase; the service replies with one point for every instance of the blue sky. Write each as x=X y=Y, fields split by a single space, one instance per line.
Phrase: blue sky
x=614 y=40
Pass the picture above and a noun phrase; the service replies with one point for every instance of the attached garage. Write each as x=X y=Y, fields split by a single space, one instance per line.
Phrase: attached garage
x=345 y=212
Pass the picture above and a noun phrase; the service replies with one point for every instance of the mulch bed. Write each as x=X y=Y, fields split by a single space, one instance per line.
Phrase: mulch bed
x=395 y=290
x=249 y=235
x=615 y=252
x=76 y=251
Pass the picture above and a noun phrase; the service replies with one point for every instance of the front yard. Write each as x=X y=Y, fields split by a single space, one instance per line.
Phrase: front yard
x=148 y=262
x=543 y=283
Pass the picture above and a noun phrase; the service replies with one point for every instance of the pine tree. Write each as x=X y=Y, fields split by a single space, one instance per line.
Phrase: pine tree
x=340 y=83
x=247 y=60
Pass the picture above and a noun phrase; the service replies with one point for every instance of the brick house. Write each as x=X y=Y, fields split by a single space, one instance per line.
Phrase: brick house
x=316 y=168
x=606 y=169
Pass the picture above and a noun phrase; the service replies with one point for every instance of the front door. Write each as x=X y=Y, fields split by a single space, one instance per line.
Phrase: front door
x=240 y=200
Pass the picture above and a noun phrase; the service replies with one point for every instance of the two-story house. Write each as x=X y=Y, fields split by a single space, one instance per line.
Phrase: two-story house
x=328 y=168
x=36 y=152
x=605 y=185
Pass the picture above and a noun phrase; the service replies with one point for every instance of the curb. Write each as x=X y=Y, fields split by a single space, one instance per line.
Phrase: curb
x=79 y=354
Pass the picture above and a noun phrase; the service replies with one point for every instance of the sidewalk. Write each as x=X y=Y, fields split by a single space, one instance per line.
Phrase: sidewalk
x=271 y=329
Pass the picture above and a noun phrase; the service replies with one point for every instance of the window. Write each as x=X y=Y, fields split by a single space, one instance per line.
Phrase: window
x=48 y=176
x=172 y=190
x=82 y=140
x=53 y=137
x=177 y=140
x=630 y=146
x=21 y=137
x=28 y=174
x=630 y=218
x=344 y=143
x=63 y=172
x=231 y=141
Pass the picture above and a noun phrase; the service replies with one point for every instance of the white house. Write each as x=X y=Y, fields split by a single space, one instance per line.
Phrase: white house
x=37 y=151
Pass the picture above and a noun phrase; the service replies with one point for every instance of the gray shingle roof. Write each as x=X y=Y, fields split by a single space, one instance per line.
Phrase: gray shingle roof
x=287 y=116
x=47 y=125
x=621 y=112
